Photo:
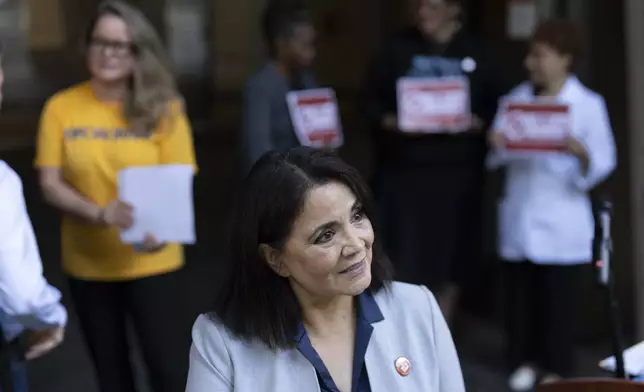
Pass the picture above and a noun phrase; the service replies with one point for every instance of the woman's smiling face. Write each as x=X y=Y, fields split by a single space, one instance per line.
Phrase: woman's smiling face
x=329 y=251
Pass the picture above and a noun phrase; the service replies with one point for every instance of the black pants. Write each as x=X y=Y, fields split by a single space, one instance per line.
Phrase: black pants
x=432 y=222
x=153 y=306
x=541 y=310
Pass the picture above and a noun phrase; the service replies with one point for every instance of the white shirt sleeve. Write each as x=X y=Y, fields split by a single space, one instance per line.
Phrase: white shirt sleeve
x=25 y=295
x=600 y=145
x=597 y=138
x=498 y=157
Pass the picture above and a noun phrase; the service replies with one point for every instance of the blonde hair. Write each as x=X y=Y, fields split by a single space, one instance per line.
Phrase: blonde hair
x=152 y=87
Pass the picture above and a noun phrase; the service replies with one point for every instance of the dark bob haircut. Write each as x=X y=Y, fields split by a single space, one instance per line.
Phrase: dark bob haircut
x=564 y=36
x=254 y=302
x=280 y=19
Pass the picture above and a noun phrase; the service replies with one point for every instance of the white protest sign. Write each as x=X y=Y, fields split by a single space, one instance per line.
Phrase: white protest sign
x=316 y=118
x=536 y=126
x=434 y=105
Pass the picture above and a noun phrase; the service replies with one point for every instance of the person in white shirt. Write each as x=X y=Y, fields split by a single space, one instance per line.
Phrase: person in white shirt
x=546 y=224
x=27 y=302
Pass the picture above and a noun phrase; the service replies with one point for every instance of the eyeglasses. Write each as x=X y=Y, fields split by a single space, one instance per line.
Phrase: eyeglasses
x=118 y=48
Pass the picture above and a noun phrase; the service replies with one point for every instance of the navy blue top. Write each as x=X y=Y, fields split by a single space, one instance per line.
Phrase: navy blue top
x=367 y=313
x=267 y=124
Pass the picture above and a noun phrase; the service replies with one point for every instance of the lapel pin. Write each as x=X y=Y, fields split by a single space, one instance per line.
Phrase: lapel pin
x=403 y=366
x=468 y=65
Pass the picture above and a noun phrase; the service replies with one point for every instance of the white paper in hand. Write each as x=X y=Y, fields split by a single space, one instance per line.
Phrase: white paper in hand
x=633 y=361
x=162 y=200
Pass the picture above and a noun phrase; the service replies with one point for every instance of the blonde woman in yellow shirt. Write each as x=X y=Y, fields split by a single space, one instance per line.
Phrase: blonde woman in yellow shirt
x=128 y=114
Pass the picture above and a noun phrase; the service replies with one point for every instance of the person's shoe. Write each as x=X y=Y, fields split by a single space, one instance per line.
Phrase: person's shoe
x=523 y=379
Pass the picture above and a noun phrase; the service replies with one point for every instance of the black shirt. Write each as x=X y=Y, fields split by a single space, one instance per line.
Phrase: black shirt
x=409 y=54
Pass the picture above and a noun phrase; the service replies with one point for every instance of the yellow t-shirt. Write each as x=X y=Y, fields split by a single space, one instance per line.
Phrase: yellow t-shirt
x=89 y=141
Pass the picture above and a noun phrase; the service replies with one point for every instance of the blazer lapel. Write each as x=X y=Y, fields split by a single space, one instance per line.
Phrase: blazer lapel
x=380 y=360
x=302 y=375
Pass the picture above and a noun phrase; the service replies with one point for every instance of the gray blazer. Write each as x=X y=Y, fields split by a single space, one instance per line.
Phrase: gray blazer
x=267 y=123
x=413 y=327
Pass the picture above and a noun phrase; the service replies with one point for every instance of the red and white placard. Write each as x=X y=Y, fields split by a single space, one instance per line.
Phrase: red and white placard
x=316 y=118
x=536 y=126
x=434 y=105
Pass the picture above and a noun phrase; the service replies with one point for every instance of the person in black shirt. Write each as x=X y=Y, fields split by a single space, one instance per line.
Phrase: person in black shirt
x=430 y=186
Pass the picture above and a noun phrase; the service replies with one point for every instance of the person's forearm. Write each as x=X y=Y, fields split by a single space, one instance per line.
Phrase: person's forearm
x=68 y=200
x=25 y=295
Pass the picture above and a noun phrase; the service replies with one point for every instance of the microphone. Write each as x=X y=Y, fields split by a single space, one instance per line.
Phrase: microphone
x=603 y=251
x=603 y=241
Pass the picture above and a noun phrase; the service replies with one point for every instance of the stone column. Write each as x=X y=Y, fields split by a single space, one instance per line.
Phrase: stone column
x=634 y=32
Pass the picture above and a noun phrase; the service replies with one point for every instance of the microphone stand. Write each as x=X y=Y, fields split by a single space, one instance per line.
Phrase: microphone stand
x=603 y=265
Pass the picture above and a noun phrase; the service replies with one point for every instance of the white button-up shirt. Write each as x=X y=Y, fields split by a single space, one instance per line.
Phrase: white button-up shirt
x=545 y=214
x=27 y=301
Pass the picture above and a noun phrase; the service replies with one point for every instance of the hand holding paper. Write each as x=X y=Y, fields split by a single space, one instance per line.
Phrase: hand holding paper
x=496 y=139
x=477 y=124
x=389 y=123
x=150 y=244
x=162 y=204
x=576 y=148
x=117 y=213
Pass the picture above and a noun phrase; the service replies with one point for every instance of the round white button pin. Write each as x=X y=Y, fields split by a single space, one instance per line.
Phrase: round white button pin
x=468 y=64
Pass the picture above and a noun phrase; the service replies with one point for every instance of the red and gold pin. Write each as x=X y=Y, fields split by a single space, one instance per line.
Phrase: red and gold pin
x=403 y=366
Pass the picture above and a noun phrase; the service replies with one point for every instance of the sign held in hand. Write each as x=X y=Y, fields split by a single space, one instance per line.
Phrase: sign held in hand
x=162 y=201
x=316 y=118
x=536 y=126
x=434 y=105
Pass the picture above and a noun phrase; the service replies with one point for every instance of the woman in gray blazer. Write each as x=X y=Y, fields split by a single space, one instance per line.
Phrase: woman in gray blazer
x=308 y=303
x=267 y=125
